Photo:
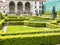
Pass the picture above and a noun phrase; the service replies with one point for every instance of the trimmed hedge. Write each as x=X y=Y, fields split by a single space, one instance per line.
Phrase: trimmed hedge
x=1 y=23
x=0 y=26
x=58 y=12
x=51 y=25
x=14 y=23
x=58 y=21
x=16 y=16
x=12 y=16
x=15 y=19
x=48 y=13
x=39 y=18
x=37 y=39
x=35 y=24
x=1 y=16
x=32 y=32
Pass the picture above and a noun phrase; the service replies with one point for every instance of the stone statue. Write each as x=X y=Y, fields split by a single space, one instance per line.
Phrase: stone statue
x=54 y=13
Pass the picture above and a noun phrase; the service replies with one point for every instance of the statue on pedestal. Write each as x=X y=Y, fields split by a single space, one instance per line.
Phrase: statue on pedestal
x=54 y=13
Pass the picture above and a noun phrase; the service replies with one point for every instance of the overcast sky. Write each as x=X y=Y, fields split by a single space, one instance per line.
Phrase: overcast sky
x=4 y=0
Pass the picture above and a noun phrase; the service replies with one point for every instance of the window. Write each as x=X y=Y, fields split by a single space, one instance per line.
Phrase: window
x=4 y=7
x=35 y=6
x=39 y=11
x=35 y=10
x=4 y=11
x=40 y=2
x=35 y=2
x=40 y=6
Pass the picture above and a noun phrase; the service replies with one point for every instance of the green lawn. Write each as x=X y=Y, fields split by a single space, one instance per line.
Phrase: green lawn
x=1 y=32
x=17 y=29
x=25 y=29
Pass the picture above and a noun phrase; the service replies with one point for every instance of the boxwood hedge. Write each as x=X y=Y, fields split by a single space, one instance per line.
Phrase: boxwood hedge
x=1 y=16
x=37 y=39
x=39 y=18
x=32 y=32
x=35 y=24
x=15 y=19
x=51 y=25
x=1 y=23
x=14 y=23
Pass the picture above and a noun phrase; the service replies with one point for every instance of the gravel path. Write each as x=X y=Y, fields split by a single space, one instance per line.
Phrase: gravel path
x=4 y=29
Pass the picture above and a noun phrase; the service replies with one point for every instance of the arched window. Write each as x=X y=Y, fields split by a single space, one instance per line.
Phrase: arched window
x=27 y=7
x=20 y=7
x=12 y=7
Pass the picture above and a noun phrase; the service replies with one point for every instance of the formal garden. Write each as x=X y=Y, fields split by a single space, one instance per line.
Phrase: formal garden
x=30 y=30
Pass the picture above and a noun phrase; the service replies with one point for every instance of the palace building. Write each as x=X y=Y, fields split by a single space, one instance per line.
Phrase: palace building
x=2 y=6
x=21 y=6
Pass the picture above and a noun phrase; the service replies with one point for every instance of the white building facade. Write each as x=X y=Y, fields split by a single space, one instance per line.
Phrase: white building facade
x=2 y=7
x=22 y=6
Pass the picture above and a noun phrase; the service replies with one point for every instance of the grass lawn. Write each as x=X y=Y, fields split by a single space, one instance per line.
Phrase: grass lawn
x=25 y=29
x=20 y=29
x=1 y=32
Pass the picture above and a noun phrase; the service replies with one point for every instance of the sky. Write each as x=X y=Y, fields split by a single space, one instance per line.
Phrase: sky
x=4 y=0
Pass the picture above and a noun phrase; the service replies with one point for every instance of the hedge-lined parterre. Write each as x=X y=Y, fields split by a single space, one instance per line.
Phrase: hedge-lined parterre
x=34 y=39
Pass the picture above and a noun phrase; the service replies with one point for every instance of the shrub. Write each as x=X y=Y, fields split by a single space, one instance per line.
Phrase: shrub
x=47 y=13
x=30 y=39
x=50 y=25
x=1 y=16
x=39 y=18
x=35 y=24
x=58 y=12
x=1 y=23
x=58 y=21
x=34 y=17
x=32 y=32
x=43 y=19
x=15 y=19
x=15 y=23
x=12 y=16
